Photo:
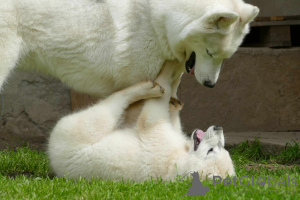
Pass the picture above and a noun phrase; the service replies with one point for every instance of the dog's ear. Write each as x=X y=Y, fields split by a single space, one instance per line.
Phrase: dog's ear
x=248 y=13
x=219 y=18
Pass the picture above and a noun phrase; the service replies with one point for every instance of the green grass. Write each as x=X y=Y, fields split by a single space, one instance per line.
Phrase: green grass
x=25 y=174
x=253 y=151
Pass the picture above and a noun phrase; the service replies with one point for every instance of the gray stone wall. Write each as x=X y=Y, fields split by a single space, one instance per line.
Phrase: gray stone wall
x=32 y=105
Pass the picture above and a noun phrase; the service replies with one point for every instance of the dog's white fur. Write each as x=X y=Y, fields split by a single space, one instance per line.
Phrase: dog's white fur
x=102 y=46
x=95 y=143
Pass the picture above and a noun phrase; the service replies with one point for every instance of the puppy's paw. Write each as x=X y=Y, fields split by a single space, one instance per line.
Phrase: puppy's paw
x=155 y=85
x=149 y=89
x=175 y=104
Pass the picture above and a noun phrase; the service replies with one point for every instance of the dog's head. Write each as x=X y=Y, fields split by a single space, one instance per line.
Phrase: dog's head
x=207 y=149
x=210 y=33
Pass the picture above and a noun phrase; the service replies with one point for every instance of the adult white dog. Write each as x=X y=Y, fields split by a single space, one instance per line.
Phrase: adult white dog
x=102 y=46
x=96 y=143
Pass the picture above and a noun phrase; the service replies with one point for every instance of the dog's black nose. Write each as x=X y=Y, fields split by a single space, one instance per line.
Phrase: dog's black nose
x=218 y=128
x=209 y=84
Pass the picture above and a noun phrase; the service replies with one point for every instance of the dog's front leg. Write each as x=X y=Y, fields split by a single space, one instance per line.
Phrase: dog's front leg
x=10 y=46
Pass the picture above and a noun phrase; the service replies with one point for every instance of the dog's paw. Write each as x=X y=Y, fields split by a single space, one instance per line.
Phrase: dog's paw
x=175 y=104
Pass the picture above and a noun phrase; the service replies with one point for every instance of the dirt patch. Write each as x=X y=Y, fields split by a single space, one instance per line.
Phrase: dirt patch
x=11 y=141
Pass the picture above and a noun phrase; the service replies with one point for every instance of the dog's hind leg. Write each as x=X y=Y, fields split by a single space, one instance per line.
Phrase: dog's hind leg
x=175 y=107
x=10 y=42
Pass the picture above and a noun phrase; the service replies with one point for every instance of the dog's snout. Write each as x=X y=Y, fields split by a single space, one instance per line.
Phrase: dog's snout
x=218 y=128
x=209 y=84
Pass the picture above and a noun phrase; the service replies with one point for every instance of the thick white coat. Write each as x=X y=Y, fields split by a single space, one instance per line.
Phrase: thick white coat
x=98 y=143
x=102 y=46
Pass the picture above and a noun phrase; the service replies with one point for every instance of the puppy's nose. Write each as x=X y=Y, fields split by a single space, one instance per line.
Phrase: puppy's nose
x=218 y=128
x=209 y=84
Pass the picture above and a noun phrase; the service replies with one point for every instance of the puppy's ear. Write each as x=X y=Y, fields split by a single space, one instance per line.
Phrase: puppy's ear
x=219 y=18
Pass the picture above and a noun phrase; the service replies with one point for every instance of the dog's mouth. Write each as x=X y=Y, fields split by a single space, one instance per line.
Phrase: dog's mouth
x=190 y=64
x=198 y=137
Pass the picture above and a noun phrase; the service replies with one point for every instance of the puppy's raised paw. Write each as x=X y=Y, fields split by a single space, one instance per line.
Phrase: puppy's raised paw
x=156 y=85
x=175 y=104
x=145 y=90
x=151 y=90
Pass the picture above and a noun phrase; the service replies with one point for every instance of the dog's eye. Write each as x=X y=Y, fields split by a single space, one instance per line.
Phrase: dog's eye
x=209 y=53
x=210 y=150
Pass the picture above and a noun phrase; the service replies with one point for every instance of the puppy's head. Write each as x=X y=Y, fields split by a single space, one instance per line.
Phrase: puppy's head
x=207 y=150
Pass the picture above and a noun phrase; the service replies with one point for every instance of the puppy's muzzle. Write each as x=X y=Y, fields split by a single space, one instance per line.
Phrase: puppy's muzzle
x=218 y=128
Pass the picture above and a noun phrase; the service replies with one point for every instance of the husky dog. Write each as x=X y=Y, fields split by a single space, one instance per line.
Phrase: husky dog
x=97 y=143
x=102 y=46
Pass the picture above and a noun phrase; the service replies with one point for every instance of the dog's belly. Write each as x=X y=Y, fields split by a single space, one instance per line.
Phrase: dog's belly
x=95 y=78
x=83 y=48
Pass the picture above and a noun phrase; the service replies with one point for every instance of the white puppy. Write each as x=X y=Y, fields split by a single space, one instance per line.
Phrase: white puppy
x=96 y=143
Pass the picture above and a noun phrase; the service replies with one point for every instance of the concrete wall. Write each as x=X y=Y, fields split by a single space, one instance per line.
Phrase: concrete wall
x=258 y=90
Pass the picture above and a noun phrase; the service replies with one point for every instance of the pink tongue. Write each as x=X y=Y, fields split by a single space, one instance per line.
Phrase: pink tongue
x=200 y=134
x=192 y=72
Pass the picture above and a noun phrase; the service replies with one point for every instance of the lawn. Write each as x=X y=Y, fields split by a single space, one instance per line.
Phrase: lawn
x=25 y=174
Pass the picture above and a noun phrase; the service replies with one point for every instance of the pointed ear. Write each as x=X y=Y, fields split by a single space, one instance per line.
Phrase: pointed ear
x=220 y=18
x=248 y=13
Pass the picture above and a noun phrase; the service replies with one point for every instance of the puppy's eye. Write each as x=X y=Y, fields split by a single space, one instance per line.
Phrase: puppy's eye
x=210 y=150
x=209 y=53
